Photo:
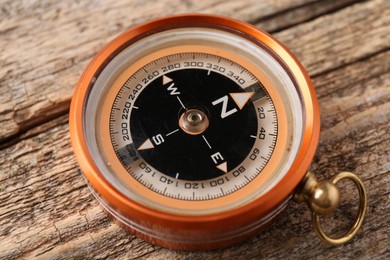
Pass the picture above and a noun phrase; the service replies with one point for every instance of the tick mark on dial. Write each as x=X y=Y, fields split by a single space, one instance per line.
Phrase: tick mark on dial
x=208 y=144
x=253 y=136
x=181 y=103
x=174 y=131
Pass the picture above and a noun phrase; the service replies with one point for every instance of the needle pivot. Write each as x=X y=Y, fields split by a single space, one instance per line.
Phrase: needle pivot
x=193 y=122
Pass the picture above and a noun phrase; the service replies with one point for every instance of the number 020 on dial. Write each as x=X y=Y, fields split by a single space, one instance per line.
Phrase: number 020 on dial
x=193 y=131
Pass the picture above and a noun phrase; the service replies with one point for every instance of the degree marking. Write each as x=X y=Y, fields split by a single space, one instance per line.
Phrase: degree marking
x=135 y=107
x=253 y=136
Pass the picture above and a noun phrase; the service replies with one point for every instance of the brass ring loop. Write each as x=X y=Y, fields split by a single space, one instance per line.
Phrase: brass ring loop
x=359 y=220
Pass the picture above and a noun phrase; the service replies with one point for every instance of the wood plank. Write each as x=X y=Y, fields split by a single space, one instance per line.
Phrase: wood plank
x=31 y=93
x=345 y=37
x=49 y=45
x=304 y=13
x=46 y=210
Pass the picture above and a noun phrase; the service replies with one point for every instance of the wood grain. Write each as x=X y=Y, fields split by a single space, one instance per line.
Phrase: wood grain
x=38 y=71
x=46 y=209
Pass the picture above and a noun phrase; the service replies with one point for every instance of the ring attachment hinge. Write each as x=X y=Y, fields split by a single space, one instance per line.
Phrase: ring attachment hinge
x=323 y=198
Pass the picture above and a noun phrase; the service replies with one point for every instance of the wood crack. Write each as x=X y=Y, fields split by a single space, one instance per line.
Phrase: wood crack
x=363 y=58
x=335 y=6
x=61 y=110
x=29 y=133
x=276 y=14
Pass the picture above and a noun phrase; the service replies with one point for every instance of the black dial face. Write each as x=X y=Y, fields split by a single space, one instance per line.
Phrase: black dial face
x=193 y=124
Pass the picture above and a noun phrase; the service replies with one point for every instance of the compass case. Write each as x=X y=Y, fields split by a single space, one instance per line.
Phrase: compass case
x=185 y=229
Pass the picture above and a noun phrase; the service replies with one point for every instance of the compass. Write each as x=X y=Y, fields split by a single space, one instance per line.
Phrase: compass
x=195 y=131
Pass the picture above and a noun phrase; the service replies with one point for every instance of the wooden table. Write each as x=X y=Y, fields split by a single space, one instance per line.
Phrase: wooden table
x=46 y=209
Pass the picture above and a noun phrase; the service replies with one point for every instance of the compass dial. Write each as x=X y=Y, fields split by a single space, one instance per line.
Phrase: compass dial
x=193 y=123
x=192 y=90
x=197 y=120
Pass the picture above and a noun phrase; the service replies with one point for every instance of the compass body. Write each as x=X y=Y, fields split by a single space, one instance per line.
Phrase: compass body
x=193 y=131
